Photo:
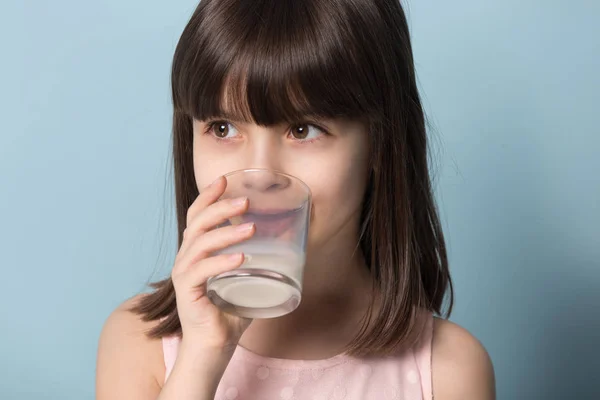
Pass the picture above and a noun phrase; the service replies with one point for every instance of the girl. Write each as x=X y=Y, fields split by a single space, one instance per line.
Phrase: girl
x=324 y=90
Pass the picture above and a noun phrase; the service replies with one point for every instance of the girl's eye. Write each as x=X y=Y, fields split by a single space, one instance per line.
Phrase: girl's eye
x=305 y=132
x=222 y=130
x=300 y=132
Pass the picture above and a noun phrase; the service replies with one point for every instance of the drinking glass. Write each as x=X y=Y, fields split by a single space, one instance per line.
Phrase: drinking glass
x=269 y=282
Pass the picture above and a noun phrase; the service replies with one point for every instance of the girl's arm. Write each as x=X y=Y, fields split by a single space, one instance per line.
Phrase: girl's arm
x=129 y=365
x=461 y=367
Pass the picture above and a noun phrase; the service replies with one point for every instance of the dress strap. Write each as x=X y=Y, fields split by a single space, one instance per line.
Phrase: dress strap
x=170 y=345
x=422 y=351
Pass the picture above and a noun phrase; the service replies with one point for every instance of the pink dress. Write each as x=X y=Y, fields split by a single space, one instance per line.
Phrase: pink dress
x=404 y=376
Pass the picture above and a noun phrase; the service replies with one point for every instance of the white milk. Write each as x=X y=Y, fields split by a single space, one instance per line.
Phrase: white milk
x=256 y=291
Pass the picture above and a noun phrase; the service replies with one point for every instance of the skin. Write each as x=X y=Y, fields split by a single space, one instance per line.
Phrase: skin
x=333 y=162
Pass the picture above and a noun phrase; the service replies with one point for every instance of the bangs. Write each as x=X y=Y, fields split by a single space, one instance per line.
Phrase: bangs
x=268 y=62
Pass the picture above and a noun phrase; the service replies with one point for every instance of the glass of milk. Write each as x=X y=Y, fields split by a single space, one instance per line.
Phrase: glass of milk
x=269 y=282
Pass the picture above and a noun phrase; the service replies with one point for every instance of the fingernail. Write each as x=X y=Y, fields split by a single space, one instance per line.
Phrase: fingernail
x=239 y=201
x=245 y=227
x=235 y=257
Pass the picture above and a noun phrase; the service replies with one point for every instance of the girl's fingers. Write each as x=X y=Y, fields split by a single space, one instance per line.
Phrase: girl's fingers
x=215 y=214
x=198 y=273
x=213 y=241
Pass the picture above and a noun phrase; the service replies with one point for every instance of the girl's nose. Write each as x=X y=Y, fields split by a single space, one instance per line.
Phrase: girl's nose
x=265 y=181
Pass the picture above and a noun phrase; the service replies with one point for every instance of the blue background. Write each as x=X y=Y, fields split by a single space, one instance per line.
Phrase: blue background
x=512 y=90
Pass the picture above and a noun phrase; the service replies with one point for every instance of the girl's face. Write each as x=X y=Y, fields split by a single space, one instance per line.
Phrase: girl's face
x=330 y=156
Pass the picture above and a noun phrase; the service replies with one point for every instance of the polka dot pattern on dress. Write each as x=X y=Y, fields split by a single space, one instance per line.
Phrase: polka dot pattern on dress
x=412 y=376
x=249 y=376
x=287 y=393
x=231 y=393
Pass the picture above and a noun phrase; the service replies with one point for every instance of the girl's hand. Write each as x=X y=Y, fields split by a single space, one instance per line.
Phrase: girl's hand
x=203 y=324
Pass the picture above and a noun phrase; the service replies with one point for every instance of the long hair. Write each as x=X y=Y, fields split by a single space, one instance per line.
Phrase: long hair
x=279 y=61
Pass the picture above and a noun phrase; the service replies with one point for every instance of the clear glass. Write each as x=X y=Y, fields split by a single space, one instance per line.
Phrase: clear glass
x=269 y=282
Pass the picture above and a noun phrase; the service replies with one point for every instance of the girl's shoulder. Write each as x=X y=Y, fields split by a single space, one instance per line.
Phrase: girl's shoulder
x=123 y=348
x=461 y=366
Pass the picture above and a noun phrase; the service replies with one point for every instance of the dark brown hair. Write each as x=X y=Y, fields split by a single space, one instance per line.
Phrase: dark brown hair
x=280 y=61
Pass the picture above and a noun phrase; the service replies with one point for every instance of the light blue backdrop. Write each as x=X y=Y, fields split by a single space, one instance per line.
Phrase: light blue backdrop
x=513 y=93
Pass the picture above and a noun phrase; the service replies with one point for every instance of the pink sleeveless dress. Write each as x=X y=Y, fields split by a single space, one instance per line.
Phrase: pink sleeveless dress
x=249 y=376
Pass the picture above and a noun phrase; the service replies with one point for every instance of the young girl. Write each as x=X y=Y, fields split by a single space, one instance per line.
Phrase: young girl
x=323 y=90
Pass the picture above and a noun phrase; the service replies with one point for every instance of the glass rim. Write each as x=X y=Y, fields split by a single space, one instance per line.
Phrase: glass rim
x=292 y=177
